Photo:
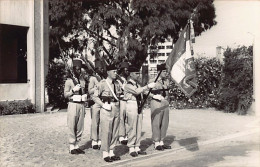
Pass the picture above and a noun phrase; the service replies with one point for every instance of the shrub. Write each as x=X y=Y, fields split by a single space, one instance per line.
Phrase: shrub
x=16 y=107
x=237 y=82
x=55 y=81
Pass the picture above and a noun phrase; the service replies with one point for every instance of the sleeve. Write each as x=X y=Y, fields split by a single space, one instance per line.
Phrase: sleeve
x=96 y=94
x=67 y=89
x=135 y=91
x=91 y=86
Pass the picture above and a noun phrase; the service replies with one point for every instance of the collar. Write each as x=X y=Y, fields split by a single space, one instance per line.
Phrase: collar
x=132 y=81
x=109 y=80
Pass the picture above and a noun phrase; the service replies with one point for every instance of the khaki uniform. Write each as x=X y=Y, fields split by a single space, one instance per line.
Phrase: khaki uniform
x=109 y=120
x=133 y=117
x=160 y=111
x=94 y=110
x=75 y=112
x=122 y=122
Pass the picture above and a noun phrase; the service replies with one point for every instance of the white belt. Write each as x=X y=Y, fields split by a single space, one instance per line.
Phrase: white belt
x=79 y=98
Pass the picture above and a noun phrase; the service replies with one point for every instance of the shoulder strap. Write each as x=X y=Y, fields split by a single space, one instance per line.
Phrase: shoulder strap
x=113 y=93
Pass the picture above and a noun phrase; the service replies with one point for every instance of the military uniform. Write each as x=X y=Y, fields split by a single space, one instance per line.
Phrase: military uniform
x=109 y=119
x=134 y=116
x=160 y=111
x=95 y=114
x=122 y=123
x=76 y=110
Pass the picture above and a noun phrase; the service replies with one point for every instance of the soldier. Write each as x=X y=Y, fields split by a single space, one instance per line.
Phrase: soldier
x=74 y=91
x=160 y=109
x=95 y=107
x=106 y=95
x=134 y=115
x=123 y=79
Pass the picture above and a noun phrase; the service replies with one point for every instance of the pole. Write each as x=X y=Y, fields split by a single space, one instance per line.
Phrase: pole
x=142 y=104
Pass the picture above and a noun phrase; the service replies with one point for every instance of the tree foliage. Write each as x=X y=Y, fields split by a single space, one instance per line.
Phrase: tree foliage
x=122 y=29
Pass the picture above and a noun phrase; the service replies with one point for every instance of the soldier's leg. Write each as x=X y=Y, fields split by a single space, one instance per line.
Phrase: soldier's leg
x=155 y=121
x=106 y=120
x=71 y=123
x=80 y=126
x=139 y=135
x=115 y=128
x=131 y=112
x=122 y=128
x=95 y=122
x=164 y=123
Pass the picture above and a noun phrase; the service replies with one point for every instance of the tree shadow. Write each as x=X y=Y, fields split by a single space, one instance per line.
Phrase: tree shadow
x=146 y=143
x=168 y=140
x=87 y=145
x=121 y=150
x=190 y=144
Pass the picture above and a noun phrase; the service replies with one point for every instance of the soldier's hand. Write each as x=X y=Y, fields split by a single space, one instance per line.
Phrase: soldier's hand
x=76 y=88
x=157 y=97
x=107 y=106
x=151 y=85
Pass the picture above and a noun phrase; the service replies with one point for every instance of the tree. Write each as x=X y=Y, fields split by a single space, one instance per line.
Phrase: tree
x=123 y=29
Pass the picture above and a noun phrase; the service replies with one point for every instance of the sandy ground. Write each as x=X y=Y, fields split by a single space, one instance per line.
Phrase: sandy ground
x=41 y=139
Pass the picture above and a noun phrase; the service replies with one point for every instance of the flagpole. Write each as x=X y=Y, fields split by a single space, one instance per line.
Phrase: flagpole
x=142 y=104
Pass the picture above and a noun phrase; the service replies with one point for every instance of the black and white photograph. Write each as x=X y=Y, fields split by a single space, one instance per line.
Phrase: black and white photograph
x=129 y=83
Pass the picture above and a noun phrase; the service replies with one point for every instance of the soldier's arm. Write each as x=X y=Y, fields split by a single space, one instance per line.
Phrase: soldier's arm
x=135 y=91
x=91 y=86
x=68 y=89
x=96 y=94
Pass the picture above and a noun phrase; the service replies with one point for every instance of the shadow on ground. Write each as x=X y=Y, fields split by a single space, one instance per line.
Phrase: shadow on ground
x=87 y=145
x=190 y=144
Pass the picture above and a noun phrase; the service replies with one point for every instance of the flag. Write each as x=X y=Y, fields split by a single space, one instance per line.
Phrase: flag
x=180 y=63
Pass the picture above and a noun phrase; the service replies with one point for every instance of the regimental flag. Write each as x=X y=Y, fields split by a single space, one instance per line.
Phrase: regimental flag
x=180 y=63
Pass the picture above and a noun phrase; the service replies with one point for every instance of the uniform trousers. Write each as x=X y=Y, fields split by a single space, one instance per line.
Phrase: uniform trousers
x=75 y=121
x=109 y=122
x=95 y=122
x=133 y=124
x=159 y=119
x=122 y=126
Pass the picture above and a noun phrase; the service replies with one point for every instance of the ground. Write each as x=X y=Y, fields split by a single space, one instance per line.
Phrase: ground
x=41 y=139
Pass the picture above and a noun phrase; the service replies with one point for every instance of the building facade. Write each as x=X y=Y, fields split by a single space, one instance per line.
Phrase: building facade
x=23 y=50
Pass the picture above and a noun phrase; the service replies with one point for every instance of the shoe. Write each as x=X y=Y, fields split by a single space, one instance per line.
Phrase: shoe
x=108 y=159
x=99 y=146
x=141 y=152
x=74 y=151
x=134 y=154
x=166 y=147
x=80 y=151
x=124 y=142
x=160 y=148
x=115 y=158
x=95 y=147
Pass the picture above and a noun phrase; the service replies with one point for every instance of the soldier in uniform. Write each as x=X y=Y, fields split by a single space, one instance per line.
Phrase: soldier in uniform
x=133 y=96
x=160 y=109
x=106 y=95
x=75 y=92
x=124 y=73
x=95 y=107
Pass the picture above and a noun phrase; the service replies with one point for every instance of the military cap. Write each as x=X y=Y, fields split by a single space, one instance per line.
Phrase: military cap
x=124 y=65
x=77 y=62
x=161 y=67
x=111 y=67
x=132 y=68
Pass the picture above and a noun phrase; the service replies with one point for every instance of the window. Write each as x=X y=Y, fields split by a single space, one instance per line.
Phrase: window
x=169 y=47
x=168 y=54
x=160 y=54
x=161 y=61
x=153 y=47
x=161 y=47
x=153 y=61
x=13 y=54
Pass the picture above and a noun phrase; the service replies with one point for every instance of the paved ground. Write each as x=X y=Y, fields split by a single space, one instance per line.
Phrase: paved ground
x=41 y=139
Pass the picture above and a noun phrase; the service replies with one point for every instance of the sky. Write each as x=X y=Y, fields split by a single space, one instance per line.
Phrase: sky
x=238 y=23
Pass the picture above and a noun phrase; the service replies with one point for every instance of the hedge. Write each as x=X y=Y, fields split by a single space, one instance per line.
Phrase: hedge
x=16 y=107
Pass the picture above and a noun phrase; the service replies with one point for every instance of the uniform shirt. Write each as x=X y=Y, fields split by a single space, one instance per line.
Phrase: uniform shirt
x=93 y=83
x=161 y=84
x=69 y=85
x=103 y=90
x=133 y=89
